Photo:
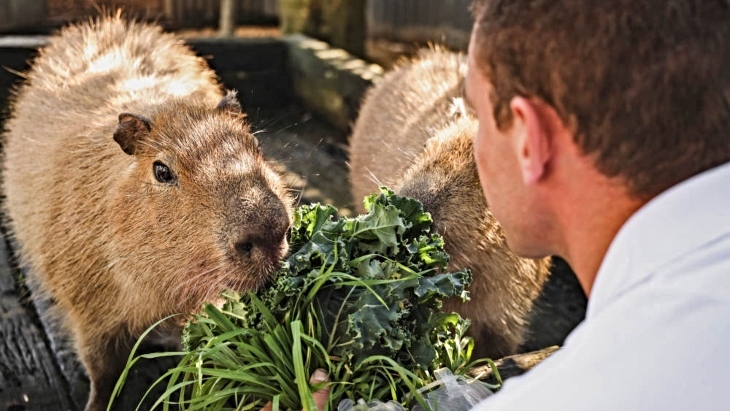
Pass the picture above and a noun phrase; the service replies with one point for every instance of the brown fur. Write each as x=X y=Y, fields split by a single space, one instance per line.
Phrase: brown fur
x=115 y=248
x=412 y=137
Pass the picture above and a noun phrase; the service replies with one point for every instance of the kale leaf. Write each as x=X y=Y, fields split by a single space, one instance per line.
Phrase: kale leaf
x=360 y=297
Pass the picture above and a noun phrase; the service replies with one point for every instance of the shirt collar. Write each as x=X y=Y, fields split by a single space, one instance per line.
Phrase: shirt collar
x=677 y=221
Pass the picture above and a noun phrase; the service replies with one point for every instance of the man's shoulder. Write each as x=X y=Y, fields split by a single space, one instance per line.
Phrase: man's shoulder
x=659 y=345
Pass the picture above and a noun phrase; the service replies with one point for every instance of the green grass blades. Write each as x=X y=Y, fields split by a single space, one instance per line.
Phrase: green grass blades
x=358 y=297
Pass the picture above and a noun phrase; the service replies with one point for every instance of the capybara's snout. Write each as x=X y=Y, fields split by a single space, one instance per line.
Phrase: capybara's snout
x=259 y=229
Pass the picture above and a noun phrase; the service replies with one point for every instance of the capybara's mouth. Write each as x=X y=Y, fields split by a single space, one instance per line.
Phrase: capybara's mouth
x=271 y=257
x=243 y=285
x=249 y=279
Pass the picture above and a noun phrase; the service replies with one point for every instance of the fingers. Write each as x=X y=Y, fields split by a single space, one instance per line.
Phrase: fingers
x=321 y=396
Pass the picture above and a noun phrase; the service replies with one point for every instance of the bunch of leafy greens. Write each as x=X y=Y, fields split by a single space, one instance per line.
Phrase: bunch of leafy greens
x=358 y=297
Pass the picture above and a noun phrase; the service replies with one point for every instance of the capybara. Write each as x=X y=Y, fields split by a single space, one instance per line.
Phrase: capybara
x=134 y=188
x=412 y=134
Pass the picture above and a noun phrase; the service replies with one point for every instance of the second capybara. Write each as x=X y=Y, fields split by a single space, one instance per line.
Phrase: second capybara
x=134 y=188
x=413 y=135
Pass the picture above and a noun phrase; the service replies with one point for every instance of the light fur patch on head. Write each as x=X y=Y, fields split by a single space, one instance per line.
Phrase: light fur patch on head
x=458 y=109
x=108 y=62
x=238 y=166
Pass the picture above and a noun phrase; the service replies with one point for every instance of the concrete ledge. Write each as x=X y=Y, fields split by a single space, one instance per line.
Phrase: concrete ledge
x=23 y=42
x=15 y=54
x=329 y=80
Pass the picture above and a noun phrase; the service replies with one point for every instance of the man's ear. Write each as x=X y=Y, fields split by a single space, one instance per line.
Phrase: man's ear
x=130 y=130
x=533 y=140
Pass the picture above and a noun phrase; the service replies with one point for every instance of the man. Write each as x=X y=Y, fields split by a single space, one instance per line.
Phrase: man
x=604 y=138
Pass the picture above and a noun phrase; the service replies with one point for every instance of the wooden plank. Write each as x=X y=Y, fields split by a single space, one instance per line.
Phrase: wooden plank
x=30 y=378
x=65 y=356
x=227 y=21
x=512 y=366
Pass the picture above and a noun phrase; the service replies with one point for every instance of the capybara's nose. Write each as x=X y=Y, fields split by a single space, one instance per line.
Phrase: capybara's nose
x=265 y=236
x=243 y=248
x=260 y=221
x=271 y=243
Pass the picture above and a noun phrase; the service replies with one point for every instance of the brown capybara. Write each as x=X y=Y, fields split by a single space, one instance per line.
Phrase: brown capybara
x=134 y=188
x=413 y=135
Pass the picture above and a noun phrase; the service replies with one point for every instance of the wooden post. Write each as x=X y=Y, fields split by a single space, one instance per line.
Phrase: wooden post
x=339 y=22
x=20 y=14
x=345 y=22
x=227 y=22
x=294 y=15
x=168 y=8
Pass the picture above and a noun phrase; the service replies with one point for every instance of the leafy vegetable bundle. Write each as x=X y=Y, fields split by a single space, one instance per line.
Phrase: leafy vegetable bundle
x=359 y=297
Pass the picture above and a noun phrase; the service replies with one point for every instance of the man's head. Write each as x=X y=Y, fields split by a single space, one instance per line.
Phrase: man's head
x=644 y=85
x=588 y=109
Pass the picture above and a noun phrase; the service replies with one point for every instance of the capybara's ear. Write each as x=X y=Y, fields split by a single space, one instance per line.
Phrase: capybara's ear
x=230 y=103
x=131 y=128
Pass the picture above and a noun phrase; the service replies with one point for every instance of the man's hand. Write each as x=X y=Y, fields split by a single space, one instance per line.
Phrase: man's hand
x=320 y=397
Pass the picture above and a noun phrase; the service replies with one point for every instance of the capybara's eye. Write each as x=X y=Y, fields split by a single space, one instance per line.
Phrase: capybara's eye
x=163 y=174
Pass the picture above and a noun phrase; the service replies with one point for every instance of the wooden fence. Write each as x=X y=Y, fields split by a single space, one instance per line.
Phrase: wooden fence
x=21 y=13
x=60 y=12
x=196 y=13
x=24 y=15
x=419 y=21
x=413 y=21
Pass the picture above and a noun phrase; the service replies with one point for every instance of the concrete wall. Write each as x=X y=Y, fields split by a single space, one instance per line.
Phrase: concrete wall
x=328 y=80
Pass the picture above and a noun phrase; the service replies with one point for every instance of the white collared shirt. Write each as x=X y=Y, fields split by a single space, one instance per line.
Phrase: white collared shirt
x=657 y=330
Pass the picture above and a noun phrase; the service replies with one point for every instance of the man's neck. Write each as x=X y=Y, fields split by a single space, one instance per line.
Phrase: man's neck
x=590 y=222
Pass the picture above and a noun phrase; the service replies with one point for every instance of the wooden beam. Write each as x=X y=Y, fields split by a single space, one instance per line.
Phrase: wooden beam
x=227 y=22
x=345 y=21
x=30 y=378
x=512 y=366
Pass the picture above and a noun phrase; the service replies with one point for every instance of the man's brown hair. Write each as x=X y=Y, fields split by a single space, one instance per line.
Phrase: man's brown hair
x=646 y=84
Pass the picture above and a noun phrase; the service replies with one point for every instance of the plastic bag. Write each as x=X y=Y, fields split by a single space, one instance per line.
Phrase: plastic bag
x=447 y=393
x=452 y=393
x=348 y=405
